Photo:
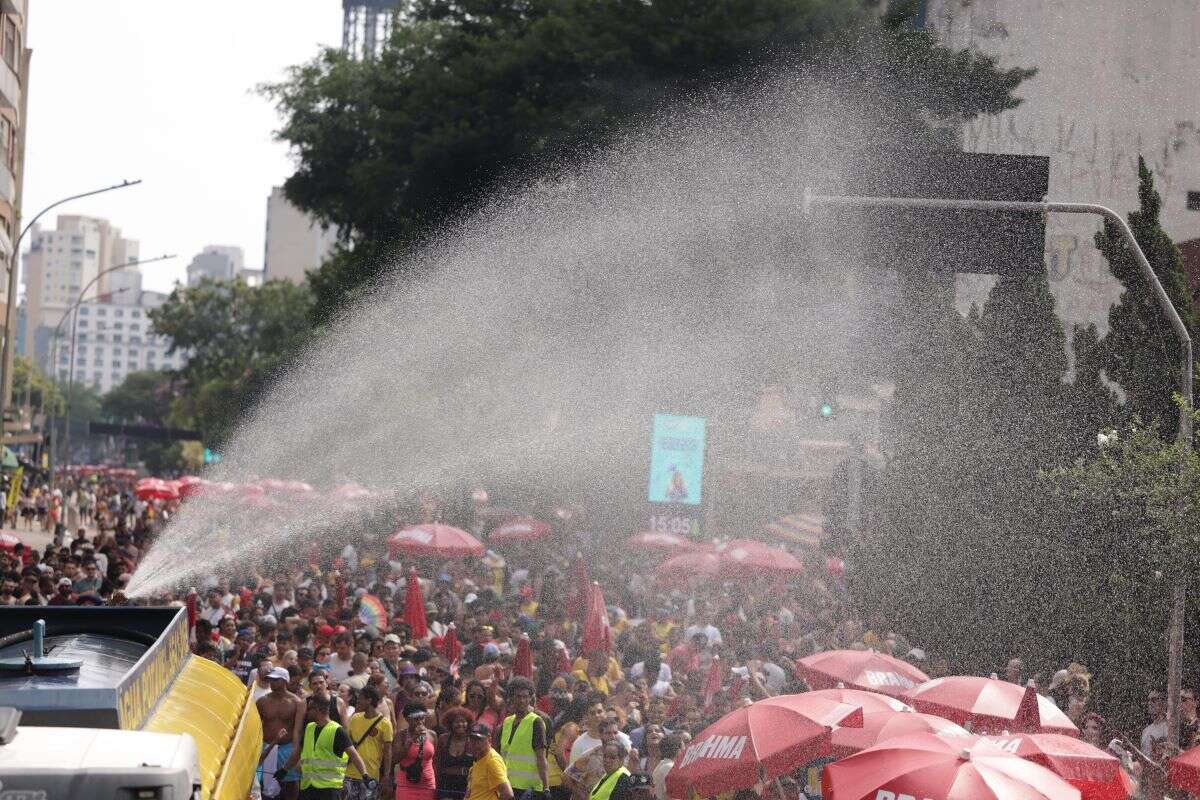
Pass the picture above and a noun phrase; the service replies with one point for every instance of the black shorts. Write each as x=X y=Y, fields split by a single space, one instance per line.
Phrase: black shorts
x=312 y=793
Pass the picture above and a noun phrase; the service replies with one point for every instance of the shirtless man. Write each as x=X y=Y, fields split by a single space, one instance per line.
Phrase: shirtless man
x=318 y=686
x=283 y=713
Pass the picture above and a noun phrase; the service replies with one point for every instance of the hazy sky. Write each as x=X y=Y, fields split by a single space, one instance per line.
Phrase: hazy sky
x=163 y=90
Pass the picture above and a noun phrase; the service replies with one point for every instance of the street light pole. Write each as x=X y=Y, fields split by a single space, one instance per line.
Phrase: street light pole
x=1179 y=591
x=74 y=328
x=6 y=353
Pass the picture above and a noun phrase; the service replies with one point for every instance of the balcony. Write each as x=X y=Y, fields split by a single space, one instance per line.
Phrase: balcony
x=8 y=184
x=15 y=7
x=10 y=87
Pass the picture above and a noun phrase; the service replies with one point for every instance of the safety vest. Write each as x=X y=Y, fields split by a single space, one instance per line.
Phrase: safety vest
x=604 y=789
x=320 y=767
x=519 y=757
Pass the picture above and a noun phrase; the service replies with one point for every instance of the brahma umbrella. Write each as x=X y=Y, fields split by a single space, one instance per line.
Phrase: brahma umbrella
x=435 y=539
x=520 y=529
x=859 y=669
x=988 y=705
x=155 y=489
x=879 y=726
x=1183 y=771
x=925 y=765
x=749 y=558
x=869 y=702
x=761 y=741
x=653 y=541
x=1096 y=773
x=697 y=564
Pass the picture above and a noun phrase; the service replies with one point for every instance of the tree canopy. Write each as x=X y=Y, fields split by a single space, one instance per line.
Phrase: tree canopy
x=472 y=95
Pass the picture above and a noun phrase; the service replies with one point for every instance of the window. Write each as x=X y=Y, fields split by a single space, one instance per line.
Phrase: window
x=135 y=314
x=83 y=323
x=118 y=325
x=84 y=311
x=102 y=312
x=116 y=363
x=83 y=337
x=133 y=326
x=116 y=337
x=119 y=313
x=135 y=340
x=91 y=253
x=1193 y=201
x=102 y=325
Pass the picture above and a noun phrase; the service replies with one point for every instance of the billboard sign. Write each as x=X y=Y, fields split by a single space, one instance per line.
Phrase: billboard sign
x=677 y=460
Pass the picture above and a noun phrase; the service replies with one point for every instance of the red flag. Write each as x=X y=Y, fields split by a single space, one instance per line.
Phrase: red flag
x=414 y=607
x=712 y=683
x=564 y=660
x=596 y=633
x=452 y=648
x=523 y=661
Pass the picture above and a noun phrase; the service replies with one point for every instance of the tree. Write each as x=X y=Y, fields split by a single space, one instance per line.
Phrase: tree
x=472 y=96
x=146 y=397
x=1091 y=403
x=29 y=381
x=238 y=339
x=1140 y=350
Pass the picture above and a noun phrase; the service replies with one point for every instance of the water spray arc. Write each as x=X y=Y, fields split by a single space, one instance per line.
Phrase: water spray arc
x=1178 y=592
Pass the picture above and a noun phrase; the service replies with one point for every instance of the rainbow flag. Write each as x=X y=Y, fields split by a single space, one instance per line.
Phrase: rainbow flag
x=372 y=612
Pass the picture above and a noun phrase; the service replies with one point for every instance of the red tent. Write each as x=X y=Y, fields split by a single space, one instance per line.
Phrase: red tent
x=414 y=607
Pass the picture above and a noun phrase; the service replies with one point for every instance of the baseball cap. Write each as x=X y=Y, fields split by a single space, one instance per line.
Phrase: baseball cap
x=279 y=673
x=409 y=669
x=640 y=780
x=392 y=638
x=481 y=730
x=64 y=581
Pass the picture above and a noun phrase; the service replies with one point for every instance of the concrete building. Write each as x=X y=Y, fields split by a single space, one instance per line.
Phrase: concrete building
x=65 y=264
x=113 y=338
x=14 y=69
x=218 y=262
x=366 y=25
x=296 y=243
x=1115 y=80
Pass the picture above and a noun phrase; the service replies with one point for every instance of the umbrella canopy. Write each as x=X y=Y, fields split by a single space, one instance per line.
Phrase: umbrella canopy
x=661 y=542
x=414 y=607
x=988 y=705
x=748 y=558
x=925 y=765
x=155 y=489
x=765 y=739
x=520 y=529
x=1096 y=773
x=435 y=539
x=804 y=529
x=1183 y=771
x=523 y=660
x=9 y=460
x=597 y=635
x=869 y=702
x=8 y=540
x=190 y=486
x=696 y=564
x=879 y=726
x=859 y=669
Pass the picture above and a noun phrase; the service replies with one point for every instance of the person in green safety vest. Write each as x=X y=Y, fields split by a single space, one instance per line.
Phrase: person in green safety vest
x=615 y=785
x=326 y=751
x=523 y=743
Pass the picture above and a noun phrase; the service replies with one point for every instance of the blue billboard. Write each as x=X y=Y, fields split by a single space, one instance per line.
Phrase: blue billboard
x=677 y=459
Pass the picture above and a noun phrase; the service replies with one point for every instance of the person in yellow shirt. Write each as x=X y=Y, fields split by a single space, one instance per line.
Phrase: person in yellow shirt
x=372 y=732
x=488 y=778
x=600 y=670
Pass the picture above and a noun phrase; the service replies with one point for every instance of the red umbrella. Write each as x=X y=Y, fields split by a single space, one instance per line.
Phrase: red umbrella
x=350 y=493
x=924 y=765
x=155 y=489
x=8 y=540
x=697 y=564
x=869 y=702
x=748 y=558
x=661 y=542
x=435 y=539
x=1183 y=771
x=523 y=660
x=252 y=490
x=763 y=740
x=859 y=669
x=1095 y=772
x=414 y=607
x=988 y=705
x=191 y=486
x=597 y=635
x=520 y=529
x=879 y=726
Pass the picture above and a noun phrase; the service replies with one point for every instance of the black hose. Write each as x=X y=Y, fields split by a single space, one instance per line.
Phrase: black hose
x=127 y=634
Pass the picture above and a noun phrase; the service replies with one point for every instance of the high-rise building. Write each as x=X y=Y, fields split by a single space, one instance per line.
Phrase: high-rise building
x=218 y=262
x=66 y=264
x=296 y=243
x=1115 y=80
x=14 y=66
x=366 y=25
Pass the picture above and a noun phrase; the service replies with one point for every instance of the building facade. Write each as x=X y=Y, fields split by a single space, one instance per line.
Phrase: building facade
x=14 y=68
x=1115 y=80
x=65 y=265
x=217 y=262
x=295 y=242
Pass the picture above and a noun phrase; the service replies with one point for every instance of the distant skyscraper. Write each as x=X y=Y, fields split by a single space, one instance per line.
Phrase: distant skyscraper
x=296 y=243
x=366 y=25
x=219 y=262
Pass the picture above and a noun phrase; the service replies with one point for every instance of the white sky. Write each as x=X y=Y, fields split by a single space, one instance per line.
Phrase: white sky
x=163 y=90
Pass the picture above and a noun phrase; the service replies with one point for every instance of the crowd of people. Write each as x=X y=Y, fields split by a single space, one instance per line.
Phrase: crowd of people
x=501 y=695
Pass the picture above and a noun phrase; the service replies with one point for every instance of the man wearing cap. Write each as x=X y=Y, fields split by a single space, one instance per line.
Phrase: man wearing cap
x=63 y=596
x=523 y=743
x=488 y=777
x=282 y=716
x=391 y=661
x=323 y=755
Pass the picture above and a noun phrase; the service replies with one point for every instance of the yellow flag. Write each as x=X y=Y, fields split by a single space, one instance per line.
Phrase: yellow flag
x=14 y=490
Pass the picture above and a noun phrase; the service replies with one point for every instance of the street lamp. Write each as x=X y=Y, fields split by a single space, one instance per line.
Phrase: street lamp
x=6 y=353
x=1179 y=591
x=74 y=307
